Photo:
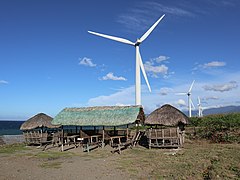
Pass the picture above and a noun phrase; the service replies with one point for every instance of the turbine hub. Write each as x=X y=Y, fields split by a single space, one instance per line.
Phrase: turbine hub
x=138 y=42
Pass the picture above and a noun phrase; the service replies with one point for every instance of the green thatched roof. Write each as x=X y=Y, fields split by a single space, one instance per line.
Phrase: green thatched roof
x=100 y=116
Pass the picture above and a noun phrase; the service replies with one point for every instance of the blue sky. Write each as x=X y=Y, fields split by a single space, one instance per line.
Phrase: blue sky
x=48 y=61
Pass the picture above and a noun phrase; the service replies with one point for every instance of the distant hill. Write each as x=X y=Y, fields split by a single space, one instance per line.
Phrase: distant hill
x=220 y=110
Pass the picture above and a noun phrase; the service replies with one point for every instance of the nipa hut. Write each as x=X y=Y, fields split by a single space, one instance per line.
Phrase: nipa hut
x=40 y=120
x=163 y=135
x=101 y=117
x=36 y=129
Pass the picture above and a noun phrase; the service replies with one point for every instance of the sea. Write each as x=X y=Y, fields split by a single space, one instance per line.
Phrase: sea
x=10 y=127
x=13 y=127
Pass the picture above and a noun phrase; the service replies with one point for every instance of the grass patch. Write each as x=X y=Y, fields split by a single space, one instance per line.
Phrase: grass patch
x=50 y=155
x=55 y=165
x=199 y=160
x=13 y=148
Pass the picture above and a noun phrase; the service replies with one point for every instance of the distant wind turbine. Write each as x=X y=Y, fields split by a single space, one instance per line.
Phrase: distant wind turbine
x=190 y=103
x=139 y=63
x=200 y=108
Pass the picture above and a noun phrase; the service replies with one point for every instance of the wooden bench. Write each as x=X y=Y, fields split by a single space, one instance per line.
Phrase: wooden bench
x=130 y=142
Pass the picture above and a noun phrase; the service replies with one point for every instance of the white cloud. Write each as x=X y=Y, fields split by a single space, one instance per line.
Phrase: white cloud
x=181 y=103
x=161 y=58
x=120 y=104
x=110 y=76
x=3 y=82
x=165 y=91
x=169 y=9
x=87 y=62
x=221 y=87
x=150 y=101
x=214 y=64
x=211 y=98
x=141 y=17
x=154 y=69
x=123 y=96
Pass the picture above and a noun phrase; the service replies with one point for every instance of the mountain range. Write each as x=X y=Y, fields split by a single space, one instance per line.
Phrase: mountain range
x=217 y=110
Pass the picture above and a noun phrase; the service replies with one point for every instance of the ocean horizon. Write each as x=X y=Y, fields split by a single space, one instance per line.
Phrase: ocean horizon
x=10 y=127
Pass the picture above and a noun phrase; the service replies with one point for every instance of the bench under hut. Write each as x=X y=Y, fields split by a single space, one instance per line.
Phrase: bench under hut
x=166 y=127
x=103 y=119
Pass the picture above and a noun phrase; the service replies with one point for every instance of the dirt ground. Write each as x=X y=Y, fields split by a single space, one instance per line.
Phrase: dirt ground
x=72 y=164
x=197 y=160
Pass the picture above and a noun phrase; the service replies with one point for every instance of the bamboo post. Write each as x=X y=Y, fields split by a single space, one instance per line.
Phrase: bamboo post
x=183 y=136
x=62 y=138
x=150 y=141
x=80 y=132
x=171 y=138
x=163 y=138
x=127 y=132
x=180 y=136
x=103 y=138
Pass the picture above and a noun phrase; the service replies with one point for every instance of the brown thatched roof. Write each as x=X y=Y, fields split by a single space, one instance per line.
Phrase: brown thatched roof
x=166 y=115
x=39 y=120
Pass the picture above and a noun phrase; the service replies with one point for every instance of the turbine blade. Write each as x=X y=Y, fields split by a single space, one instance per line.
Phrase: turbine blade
x=180 y=93
x=122 y=40
x=151 y=29
x=199 y=101
x=143 y=71
x=192 y=104
x=190 y=89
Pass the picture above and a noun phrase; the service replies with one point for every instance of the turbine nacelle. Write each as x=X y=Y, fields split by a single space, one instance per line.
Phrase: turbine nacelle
x=138 y=42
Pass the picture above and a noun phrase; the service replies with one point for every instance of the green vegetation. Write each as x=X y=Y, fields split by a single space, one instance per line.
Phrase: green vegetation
x=218 y=128
x=220 y=121
x=198 y=160
x=55 y=165
x=52 y=155
x=13 y=148
x=53 y=159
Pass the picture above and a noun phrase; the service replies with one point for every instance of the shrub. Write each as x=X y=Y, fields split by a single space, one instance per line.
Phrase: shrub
x=218 y=128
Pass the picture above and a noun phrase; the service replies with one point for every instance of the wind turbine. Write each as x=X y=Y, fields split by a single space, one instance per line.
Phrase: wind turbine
x=200 y=108
x=190 y=103
x=139 y=63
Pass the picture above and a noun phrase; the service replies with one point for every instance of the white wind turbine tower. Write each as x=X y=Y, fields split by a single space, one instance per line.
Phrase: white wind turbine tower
x=190 y=103
x=139 y=63
x=200 y=108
